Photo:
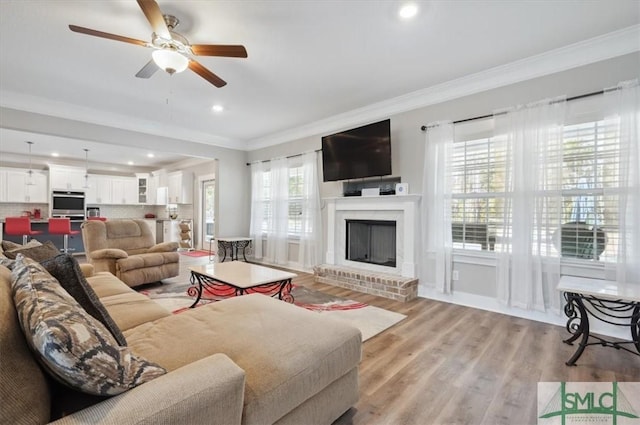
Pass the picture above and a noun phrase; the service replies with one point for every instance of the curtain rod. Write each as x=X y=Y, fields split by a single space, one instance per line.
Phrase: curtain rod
x=482 y=117
x=286 y=157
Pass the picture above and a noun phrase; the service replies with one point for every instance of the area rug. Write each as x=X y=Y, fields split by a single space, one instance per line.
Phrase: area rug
x=369 y=319
x=195 y=253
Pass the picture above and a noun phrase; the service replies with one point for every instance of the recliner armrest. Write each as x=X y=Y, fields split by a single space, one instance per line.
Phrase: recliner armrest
x=164 y=247
x=107 y=253
x=210 y=390
x=87 y=269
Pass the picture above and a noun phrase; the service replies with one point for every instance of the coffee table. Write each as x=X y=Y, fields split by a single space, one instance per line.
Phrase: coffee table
x=239 y=278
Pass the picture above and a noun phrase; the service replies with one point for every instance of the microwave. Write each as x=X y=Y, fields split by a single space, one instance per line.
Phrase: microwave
x=67 y=204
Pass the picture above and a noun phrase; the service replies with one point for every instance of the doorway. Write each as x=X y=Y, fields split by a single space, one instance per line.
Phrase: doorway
x=208 y=211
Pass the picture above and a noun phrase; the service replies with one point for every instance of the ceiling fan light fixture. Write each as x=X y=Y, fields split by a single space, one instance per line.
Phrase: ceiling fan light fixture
x=170 y=60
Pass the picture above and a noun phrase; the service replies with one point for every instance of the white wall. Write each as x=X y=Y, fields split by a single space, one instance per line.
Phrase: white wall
x=477 y=279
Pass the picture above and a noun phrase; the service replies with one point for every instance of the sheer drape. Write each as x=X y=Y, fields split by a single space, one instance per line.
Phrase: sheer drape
x=436 y=206
x=258 y=212
x=625 y=105
x=528 y=268
x=310 y=247
x=277 y=250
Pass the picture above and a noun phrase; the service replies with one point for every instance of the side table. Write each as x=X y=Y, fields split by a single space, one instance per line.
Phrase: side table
x=603 y=300
x=233 y=246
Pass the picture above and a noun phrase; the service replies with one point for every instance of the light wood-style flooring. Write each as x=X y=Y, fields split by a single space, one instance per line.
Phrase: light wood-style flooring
x=448 y=364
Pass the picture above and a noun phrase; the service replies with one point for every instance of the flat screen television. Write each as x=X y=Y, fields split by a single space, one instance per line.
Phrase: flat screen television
x=357 y=153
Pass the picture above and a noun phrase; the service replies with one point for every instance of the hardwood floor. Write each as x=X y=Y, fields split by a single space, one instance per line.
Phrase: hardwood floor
x=448 y=364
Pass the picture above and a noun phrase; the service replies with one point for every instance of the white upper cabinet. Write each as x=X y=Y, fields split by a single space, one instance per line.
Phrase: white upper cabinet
x=180 y=187
x=112 y=190
x=17 y=186
x=66 y=178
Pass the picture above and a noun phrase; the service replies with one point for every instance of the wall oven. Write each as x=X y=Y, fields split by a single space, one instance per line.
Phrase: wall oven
x=68 y=204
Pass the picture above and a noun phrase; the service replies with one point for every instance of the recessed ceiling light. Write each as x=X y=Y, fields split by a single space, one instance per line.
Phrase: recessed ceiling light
x=130 y=163
x=217 y=108
x=55 y=154
x=150 y=155
x=407 y=11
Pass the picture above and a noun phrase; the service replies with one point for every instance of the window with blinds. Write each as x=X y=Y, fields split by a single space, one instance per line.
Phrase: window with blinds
x=478 y=194
x=590 y=179
x=295 y=200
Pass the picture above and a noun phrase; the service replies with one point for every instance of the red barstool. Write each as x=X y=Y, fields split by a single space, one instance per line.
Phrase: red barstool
x=20 y=226
x=62 y=226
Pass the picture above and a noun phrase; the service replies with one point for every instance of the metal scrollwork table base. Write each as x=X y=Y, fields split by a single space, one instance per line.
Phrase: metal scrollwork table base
x=605 y=301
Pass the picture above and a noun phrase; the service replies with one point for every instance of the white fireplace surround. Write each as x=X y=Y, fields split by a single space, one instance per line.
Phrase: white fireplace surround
x=403 y=209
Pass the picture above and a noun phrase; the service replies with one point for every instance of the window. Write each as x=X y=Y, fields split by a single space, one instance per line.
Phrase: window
x=295 y=200
x=478 y=194
x=590 y=177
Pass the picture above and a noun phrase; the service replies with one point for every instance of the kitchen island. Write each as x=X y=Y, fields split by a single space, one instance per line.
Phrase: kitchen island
x=76 y=247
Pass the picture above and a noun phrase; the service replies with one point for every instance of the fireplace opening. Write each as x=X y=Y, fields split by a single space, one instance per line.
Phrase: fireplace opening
x=372 y=242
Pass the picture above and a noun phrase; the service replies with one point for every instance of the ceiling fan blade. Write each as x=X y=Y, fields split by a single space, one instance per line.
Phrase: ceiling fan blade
x=219 y=50
x=154 y=15
x=206 y=74
x=115 y=37
x=148 y=70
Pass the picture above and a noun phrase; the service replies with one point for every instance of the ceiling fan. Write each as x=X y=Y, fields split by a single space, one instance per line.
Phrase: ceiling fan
x=172 y=50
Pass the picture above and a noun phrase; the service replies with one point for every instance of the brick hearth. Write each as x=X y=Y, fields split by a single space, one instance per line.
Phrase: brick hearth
x=384 y=285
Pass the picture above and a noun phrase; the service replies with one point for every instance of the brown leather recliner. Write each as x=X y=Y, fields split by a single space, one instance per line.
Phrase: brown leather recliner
x=127 y=249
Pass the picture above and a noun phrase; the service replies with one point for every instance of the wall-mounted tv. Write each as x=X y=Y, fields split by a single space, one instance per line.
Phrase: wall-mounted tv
x=357 y=153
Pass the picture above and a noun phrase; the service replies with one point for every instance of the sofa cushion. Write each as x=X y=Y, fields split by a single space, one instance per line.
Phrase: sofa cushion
x=288 y=353
x=8 y=245
x=127 y=307
x=73 y=346
x=23 y=387
x=66 y=270
x=147 y=260
x=39 y=253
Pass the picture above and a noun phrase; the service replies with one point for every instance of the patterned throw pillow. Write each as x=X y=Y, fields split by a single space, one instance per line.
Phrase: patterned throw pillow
x=74 y=348
x=66 y=270
x=39 y=253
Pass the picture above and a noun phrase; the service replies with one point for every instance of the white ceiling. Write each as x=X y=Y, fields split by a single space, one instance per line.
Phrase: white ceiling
x=307 y=61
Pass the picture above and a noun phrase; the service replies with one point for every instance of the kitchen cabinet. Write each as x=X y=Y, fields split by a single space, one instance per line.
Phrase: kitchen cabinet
x=147 y=187
x=14 y=186
x=99 y=190
x=124 y=190
x=66 y=178
x=180 y=187
x=112 y=190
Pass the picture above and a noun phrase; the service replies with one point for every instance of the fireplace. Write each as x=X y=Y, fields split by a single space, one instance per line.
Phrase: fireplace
x=371 y=242
x=393 y=219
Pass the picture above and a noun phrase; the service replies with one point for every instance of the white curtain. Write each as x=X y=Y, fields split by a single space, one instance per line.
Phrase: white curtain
x=278 y=225
x=436 y=206
x=528 y=268
x=310 y=247
x=258 y=212
x=625 y=102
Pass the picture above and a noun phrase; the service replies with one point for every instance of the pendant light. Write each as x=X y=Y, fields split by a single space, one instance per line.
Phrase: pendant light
x=86 y=169
x=30 y=172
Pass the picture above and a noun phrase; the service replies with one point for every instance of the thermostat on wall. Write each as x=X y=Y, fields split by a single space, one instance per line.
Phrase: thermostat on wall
x=402 y=188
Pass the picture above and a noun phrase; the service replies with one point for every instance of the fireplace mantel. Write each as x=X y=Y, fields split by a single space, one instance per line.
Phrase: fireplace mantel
x=402 y=208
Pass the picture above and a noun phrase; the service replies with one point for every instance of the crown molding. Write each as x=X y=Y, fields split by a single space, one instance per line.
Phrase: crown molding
x=607 y=46
x=45 y=106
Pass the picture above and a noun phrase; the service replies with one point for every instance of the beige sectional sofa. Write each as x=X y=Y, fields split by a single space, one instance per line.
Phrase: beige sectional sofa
x=246 y=360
